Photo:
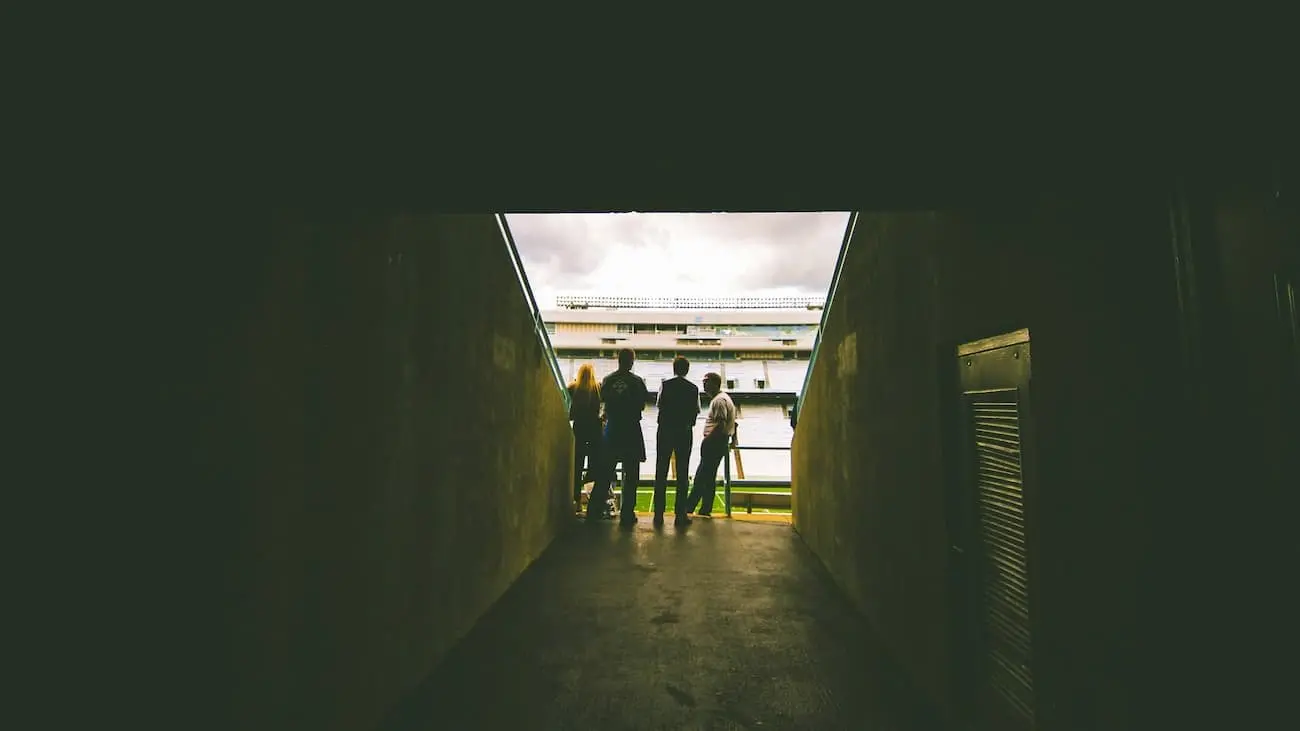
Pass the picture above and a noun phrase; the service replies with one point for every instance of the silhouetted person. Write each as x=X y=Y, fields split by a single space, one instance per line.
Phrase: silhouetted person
x=584 y=412
x=624 y=394
x=718 y=428
x=679 y=407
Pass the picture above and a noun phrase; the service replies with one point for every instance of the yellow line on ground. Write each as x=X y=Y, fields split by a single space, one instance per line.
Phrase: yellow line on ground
x=761 y=517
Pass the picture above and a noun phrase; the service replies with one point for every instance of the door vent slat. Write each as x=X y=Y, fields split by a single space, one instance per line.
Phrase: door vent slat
x=1000 y=509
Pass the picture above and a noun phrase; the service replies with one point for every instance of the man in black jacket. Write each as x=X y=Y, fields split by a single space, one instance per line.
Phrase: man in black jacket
x=679 y=406
x=624 y=395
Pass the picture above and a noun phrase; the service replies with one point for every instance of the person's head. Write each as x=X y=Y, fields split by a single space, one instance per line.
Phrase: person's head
x=681 y=366
x=586 y=379
x=626 y=358
x=712 y=383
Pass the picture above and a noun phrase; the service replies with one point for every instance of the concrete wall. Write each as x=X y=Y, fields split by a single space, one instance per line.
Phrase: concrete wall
x=391 y=450
x=1224 y=556
x=1093 y=282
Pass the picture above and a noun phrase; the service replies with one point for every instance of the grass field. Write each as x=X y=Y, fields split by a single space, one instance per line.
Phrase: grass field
x=645 y=498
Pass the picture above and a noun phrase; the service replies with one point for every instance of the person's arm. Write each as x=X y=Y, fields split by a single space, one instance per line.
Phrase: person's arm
x=604 y=403
x=691 y=411
x=731 y=422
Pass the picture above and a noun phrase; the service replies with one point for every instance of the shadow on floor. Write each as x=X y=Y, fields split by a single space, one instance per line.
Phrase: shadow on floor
x=721 y=625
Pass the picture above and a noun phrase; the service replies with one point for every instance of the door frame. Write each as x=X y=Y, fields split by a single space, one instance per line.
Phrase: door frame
x=964 y=616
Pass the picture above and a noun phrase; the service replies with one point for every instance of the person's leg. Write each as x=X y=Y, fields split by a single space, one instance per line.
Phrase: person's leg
x=683 y=451
x=602 y=470
x=631 y=475
x=663 y=456
x=706 y=478
x=693 y=501
x=598 y=501
x=580 y=455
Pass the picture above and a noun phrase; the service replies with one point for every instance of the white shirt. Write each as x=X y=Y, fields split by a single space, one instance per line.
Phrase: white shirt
x=722 y=411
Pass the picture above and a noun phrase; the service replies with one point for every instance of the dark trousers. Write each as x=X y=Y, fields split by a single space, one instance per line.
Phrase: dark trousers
x=586 y=448
x=670 y=441
x=618 y=448
x=706 y=477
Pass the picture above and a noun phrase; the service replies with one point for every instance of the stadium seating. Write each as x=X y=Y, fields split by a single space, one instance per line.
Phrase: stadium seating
x=779 y=375
x=654 y=372
x=744 y=373
x=786 y=375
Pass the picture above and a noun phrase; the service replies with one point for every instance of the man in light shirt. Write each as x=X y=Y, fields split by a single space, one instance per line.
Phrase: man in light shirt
x=718 y=428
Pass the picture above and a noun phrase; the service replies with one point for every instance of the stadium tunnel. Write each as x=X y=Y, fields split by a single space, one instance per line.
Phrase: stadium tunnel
x=1041 y=455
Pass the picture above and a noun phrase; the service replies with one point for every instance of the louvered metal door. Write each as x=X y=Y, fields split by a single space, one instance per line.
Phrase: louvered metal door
x=1004 y=574
x=994 y=382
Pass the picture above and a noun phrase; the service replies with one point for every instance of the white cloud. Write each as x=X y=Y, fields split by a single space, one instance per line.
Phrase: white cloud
x=678 y=254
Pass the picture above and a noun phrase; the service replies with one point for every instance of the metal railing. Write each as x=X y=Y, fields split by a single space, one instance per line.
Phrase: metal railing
x=534 y=310
x=726 y=472
x=826 y=311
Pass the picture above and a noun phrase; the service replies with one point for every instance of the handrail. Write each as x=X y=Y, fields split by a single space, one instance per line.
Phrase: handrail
x=826 y=311
x=538 y=325
x=726 y=472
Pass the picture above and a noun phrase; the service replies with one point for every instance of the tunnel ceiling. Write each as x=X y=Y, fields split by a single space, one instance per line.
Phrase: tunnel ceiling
x=790 y=167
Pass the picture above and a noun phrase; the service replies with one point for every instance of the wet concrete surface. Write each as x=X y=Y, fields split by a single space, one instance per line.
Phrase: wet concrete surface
x=717 y=625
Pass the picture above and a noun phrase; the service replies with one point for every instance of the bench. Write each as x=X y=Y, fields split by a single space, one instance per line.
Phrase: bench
x=751 y=500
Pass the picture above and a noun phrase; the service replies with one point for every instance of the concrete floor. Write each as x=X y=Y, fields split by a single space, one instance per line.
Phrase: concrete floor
x=720 y=625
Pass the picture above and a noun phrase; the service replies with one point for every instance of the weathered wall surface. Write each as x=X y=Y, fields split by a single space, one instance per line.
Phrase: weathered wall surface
x=1223 y=556
x=1093 y=283
x=393 y=451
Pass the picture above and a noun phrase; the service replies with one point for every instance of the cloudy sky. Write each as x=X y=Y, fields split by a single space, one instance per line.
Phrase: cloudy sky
x=678 y=254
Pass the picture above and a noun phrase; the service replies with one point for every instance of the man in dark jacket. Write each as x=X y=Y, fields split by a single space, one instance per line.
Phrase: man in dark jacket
x=624 y=395
x=679 y=407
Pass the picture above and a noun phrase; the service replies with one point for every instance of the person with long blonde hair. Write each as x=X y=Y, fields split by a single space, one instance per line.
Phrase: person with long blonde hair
x=584 y=412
